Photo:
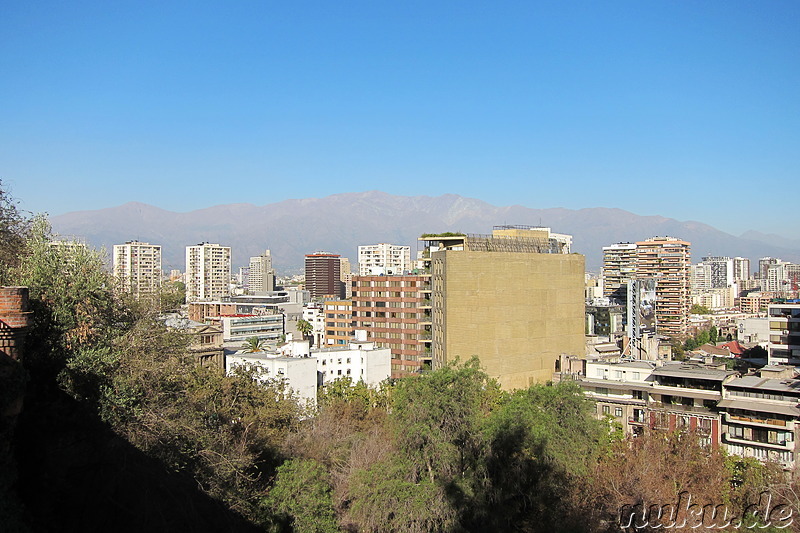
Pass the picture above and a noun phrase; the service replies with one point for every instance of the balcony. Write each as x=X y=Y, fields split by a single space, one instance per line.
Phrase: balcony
x=783 y=445
x=751 y=421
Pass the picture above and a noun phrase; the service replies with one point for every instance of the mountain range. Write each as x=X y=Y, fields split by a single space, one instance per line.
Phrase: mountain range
x=340 y=223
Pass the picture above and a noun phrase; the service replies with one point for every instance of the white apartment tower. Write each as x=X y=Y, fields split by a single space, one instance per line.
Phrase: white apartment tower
x=137 y=266
x=722 y=274
x=383 y=259
x=208 y=271
x=262 y=276
x=741 y=268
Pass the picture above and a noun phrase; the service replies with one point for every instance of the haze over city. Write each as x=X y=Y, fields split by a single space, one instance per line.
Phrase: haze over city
x=686 y=110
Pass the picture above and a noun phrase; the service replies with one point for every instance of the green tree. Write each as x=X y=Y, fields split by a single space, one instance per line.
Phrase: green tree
x=222 y=430
x=388 y=497
x=304 y=327
x=172 y=295
x=690 y=344
x=14 y=231
x=698 y=309
x=542 y=443
x=301 y=498
x=74 y=306
x=713 y=335
x=253 y=345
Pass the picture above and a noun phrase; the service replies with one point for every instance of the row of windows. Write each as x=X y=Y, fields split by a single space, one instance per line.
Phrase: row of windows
x=765 y=395
x=617 y=374
x=393 y=283
x=617 y=411
x=338 y=361
x=760 y=435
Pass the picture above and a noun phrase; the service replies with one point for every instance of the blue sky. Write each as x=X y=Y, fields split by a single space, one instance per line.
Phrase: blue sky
x=690 y=110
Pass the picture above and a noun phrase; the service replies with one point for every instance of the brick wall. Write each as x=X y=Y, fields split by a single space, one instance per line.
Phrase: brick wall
x=14 y=320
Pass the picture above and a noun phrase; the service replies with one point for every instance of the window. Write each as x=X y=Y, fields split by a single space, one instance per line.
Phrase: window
x=618 y=411
x=606 y=410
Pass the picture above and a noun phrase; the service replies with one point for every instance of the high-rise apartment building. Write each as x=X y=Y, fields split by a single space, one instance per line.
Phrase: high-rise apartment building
x=667 y=260
x=383 y=259
x=763 y=267
x=781 y=278
x=208 y=271
x=261 y=278
x=619 y=267
x=137 y=266
x=700 y=278
x=741 y=268
x=323 y=275
x=514 y=299
x=721 y=271
x=395 y=311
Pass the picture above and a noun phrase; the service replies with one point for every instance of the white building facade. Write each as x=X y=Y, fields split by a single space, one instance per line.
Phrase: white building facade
x=383 y=259
x=298 y=373
x=360 y=361
x=137 y=266
x=208 y=271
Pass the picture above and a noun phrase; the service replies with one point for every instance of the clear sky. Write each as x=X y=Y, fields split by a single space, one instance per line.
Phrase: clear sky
x=687 y=109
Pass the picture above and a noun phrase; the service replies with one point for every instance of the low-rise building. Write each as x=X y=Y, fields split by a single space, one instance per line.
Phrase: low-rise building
x=239 y=328
x=620 y=390
x=314 y=314
x=359 y=361
x=298 y=373
x=755 y=415
x=761 y=418
x=206 y=345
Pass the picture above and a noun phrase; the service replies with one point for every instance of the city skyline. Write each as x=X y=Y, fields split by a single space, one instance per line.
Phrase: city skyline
x=688 y=111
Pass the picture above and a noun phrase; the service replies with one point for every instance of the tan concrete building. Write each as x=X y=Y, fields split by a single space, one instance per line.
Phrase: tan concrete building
x=514 y=299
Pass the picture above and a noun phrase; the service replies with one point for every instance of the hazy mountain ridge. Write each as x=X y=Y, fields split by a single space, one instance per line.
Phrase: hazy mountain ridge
x=341 y=222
